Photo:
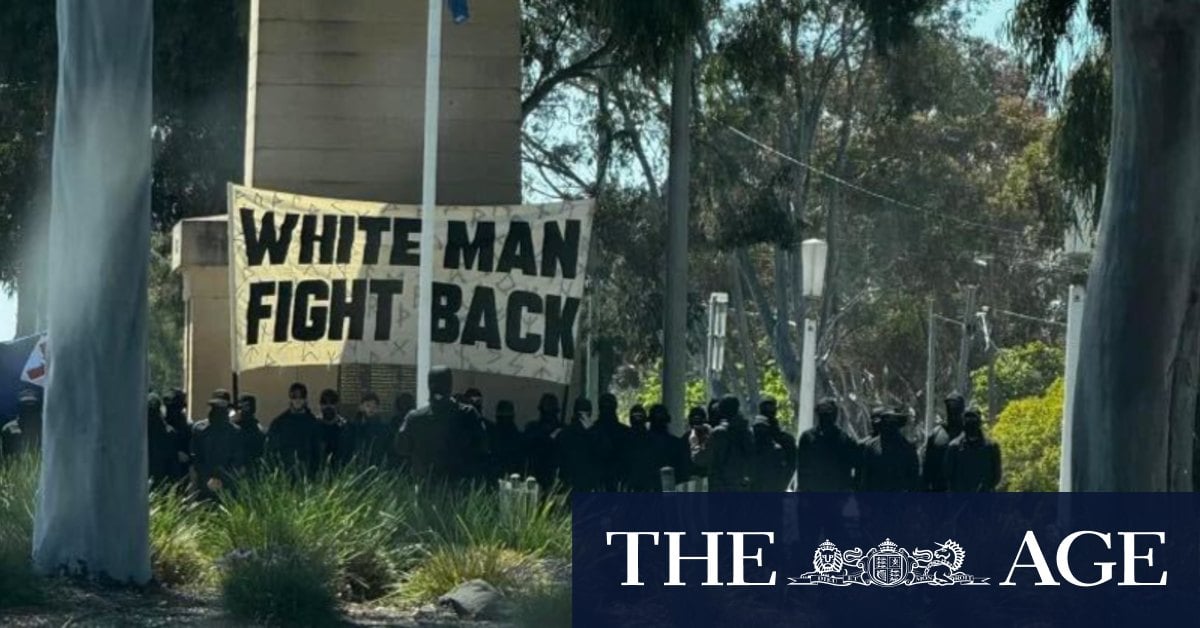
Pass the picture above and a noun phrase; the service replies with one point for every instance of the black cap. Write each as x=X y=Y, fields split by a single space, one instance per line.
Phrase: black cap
x=582 y=404
x=827 y=406
x=329 y=397
x=729 y=406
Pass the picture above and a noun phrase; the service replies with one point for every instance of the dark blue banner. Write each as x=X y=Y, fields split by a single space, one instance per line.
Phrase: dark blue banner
x=799 y=559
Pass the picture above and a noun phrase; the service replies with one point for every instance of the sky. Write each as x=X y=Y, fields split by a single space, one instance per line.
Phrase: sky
x=988 y=25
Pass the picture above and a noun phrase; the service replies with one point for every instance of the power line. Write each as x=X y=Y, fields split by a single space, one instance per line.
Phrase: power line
x=868 y=192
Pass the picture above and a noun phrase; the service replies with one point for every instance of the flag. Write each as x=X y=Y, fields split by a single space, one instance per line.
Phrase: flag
x=460 y=11
x=14 y=355
x=36 y=365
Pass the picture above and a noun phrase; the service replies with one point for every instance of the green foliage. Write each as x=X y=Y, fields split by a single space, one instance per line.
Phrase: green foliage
x=547 y=606
x=1030 y=435
x=449 y=566
x=1081 y=134
x=165 y=339
x=281 y=585
x=18 y=486
x=1024 y=371
x=177 y=528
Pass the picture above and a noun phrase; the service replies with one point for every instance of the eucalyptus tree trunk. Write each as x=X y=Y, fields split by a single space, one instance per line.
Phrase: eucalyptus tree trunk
x=1139 y=362
x=675 y=355
x=92 y=516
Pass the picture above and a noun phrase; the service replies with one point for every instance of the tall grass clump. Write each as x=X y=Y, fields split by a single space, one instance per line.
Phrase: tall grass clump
x=177 y=527
x=18 y=488
x=287 y=540
x=444 y=568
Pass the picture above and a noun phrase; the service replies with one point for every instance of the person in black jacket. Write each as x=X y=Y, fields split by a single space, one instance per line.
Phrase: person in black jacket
x=933 y=474
x=826 y=455
x=367 y=438
x=444 y=440
x=730 y=452
x=505 y=443
x=889 y=461
x=175 y=404
x=23 y=435
x=578 y=464
x=331 y=423
x=160 y=442
x=254 y=439
x=216 y=450
x=541 y=457
x=294 y=437
x=973 y=459
x=659 y=448
x=405 y=403
x=611 y=442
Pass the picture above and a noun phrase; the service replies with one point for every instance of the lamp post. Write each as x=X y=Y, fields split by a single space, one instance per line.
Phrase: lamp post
x=1078 y=248
x=813 y=253
x=714 y=354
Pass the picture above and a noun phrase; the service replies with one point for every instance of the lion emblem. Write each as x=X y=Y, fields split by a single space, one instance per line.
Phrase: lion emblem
x=827 y=559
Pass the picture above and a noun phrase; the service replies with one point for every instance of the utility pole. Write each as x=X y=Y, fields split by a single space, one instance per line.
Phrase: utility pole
x=433 y=75
x=930 y=370
x=1078 y=247
x=962 y=375
x=674 y=371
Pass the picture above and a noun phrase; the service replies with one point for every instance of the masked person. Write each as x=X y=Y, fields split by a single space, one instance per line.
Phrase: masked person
x=474 y=397
x=541 y=457
x=972 y=459
x=578 y=465
x=23 y=435
x=933 y=474
x=160 y=442
x=774 y=451
x=405 y=403
x=331 y=423
x=505 y=443
x=699 y=431
x=175 y=405
x=444 y=440
x=367 y=438
x=294 y=437
x=610 y=440
x=638 y=420
x=254 y=439
x=889 y=462
x=826 y=455
x=216 y=449
x=731 y=450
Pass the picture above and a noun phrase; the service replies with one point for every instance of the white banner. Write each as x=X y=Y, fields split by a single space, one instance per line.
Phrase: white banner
x=319 y=281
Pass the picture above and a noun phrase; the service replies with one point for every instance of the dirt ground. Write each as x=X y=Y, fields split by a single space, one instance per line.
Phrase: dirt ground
x=83 y=605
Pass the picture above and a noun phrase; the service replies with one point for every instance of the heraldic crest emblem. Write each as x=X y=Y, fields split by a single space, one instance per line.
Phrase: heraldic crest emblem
x=888 y=565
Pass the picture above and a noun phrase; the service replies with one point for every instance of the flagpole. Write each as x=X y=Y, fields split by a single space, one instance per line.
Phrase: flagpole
x=433 y=71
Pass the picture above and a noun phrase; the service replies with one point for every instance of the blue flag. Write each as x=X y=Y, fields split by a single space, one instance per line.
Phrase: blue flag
x=459 y=11
x=13 y=355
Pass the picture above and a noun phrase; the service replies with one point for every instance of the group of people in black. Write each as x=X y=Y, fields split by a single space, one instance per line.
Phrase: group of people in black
x=590 y=449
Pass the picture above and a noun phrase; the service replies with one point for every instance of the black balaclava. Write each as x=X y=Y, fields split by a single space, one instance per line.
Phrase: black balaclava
x=697 y=417
x=548 y=408
x=730 y=410
x=973 y=424
x=955 y=406
x=405 y=403
x=218 y=409
x=607 y=410
x=369 y=397
x=441 y=382
x=893 y=421
x=474 y=398
x=660 y=419
x=297 y=397
x=505 y=415
x=176 y=408
x=154 y=408
x=714 y=413
x=761 y=428
x=637 y=418
x=248 y=406
x=329 y=401
x=768 y=408
x=581 y=412
x=827 y=415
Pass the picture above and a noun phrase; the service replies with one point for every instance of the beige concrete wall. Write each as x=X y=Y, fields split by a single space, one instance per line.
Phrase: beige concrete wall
x=335 y=108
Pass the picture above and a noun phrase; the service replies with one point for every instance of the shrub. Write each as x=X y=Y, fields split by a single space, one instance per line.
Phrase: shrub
x=177 y=528
x=1030 y=435
x=18 y=486
x=449 y=566
x=348 y=517
x=452 y=516
x=280 y=585
x=546 y=606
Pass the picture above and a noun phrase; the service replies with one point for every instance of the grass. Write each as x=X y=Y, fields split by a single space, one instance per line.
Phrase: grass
x=286 y=551
x=544 y=606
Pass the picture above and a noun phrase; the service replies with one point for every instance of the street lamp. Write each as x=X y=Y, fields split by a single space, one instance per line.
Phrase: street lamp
x=813 y=253
x=714 y=363
x=1077 y=245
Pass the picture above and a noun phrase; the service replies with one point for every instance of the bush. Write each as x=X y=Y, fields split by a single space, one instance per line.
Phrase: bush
x=1030 y=435
x=18 y=486
x=1024 y=371
x=177 y=528
x=347 y=517
x=447 y=567
x=280 y=585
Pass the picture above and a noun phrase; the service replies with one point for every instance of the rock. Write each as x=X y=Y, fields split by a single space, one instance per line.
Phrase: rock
x=475 y=599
